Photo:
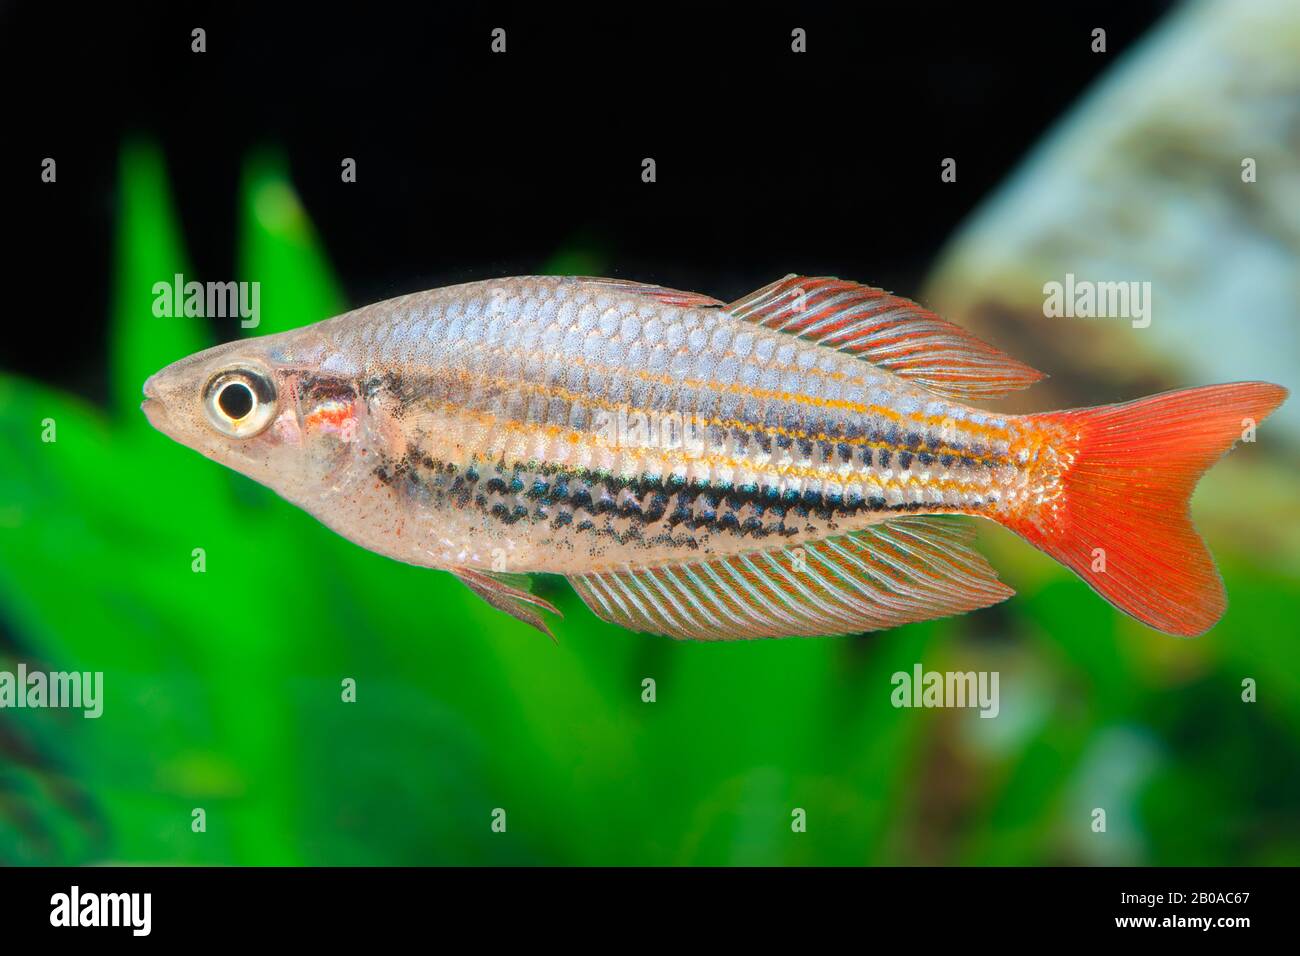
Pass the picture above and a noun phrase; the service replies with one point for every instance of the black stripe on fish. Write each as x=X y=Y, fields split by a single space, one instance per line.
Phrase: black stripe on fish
x=561 y=496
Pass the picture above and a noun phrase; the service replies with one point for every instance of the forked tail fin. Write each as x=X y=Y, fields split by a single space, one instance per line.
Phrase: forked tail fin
x=1122 y=522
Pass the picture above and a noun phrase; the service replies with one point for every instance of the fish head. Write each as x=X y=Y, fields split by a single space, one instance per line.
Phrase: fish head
x=283 y=410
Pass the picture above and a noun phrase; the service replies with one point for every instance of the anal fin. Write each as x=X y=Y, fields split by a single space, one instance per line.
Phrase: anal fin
x=509 y=593
x=908 y=569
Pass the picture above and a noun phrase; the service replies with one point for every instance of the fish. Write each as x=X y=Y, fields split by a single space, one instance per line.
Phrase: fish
x=798 y=462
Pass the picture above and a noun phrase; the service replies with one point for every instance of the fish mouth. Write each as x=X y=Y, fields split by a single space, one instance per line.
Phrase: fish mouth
x=155 y=411
x=152 y=406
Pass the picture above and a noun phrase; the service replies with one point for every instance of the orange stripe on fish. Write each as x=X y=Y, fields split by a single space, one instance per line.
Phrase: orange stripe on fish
x=457 y=419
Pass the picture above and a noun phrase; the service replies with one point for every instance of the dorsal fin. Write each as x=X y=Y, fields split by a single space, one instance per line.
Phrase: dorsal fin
x=886 y=330
x=908 y=569
x=509 y=593
x=685 y=300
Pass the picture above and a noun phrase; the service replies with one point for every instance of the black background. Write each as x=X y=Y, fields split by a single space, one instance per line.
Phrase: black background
x=473 y=164
x=323 y=910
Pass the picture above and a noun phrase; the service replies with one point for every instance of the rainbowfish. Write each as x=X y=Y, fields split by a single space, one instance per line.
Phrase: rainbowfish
x=785 y=464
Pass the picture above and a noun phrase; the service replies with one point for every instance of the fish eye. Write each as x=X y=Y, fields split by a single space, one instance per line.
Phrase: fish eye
x=235 y=400
x=240 y=402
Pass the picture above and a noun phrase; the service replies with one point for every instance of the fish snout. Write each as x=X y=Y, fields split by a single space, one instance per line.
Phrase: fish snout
x=153 y=410
x=151 y=386
x=153 y=406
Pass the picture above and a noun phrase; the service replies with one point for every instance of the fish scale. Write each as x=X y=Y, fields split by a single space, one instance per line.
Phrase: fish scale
x=600 y=354
x=777 y=465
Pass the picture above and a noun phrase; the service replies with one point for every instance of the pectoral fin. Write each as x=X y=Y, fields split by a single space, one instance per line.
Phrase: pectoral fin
x=907 y=569
x=509 y=593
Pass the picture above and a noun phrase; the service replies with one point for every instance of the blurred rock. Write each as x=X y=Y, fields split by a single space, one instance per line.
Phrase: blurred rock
x=1143 y=182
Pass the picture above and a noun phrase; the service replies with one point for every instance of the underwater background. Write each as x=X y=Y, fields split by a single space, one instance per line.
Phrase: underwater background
x=222 y=689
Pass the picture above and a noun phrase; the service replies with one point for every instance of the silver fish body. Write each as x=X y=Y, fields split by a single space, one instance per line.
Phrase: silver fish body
x=695 y=468
x=563 y=426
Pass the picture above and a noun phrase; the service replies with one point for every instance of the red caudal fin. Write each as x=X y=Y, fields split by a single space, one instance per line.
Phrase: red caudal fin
x=1122 y=522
